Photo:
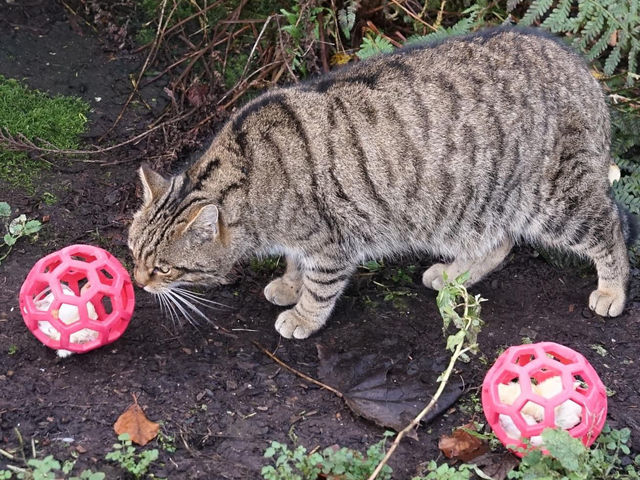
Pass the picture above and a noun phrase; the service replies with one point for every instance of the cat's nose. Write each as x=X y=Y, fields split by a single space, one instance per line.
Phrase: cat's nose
x=140 y=278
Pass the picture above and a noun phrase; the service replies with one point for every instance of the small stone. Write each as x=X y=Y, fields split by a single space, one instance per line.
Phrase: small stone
x=231 y=385
x=528 y=332
x=80 y=449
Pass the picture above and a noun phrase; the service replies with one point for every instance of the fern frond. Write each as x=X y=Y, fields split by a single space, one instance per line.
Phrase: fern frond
x=535 y=11
x=559 y=17
x=613 y=59
x=601 y=45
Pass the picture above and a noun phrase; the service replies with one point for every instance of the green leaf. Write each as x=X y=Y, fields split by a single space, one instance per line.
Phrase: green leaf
x=17 y=225
x=5 y=209
x=372 y=46
x=9 y=239
x=31 y=227
x=347 y=18
x=567 y=450
x=454 y=340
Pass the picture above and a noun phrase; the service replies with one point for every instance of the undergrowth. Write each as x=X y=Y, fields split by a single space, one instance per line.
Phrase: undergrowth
x=568 y=459
x=56 y=120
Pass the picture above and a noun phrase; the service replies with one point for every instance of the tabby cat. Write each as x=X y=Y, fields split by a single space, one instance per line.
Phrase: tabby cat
x=457 y=149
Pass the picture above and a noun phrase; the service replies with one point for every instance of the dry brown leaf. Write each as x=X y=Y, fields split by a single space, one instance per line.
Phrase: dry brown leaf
x=133 y=421
x=461 y=445
x=613 y=39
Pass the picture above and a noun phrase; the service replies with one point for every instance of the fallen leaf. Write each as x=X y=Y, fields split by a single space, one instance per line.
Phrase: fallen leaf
x=80 y=449
x=496 y=465
x=340 y=58
x=613 y=39
x=387 y=388
x=197 y=94
x=462 y=445
x=134 y=422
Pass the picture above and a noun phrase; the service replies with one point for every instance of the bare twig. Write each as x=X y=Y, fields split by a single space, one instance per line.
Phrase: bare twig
x=152 y=52
x=413 y=15
x=296 y=372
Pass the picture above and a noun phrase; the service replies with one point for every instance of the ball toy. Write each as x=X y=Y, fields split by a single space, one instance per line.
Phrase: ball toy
x=543 y=385
x=77 y=299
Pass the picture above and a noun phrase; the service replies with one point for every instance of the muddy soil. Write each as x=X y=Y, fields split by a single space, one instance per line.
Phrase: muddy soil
x=218 y=397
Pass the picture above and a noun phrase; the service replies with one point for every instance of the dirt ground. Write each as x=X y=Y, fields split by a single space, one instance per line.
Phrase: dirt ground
x=217 y=395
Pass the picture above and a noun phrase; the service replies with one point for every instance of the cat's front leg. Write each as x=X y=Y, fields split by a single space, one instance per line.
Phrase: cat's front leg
x=321 y=288
x=285 y=290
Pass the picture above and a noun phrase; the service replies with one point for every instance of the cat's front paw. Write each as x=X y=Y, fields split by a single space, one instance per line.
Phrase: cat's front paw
x=291 y=325
x=282 y=292
x=607 y=303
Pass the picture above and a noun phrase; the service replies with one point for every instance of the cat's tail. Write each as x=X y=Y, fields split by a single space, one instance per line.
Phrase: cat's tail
x=630 y=224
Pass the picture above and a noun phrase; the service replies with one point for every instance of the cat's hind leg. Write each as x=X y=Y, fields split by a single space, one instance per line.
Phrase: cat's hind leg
x=598 y=235
x=320 y=290
x=477 y=267
x=285 y=290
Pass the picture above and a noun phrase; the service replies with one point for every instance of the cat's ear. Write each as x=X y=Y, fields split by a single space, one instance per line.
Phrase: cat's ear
x=153 y=184
x=204 y=221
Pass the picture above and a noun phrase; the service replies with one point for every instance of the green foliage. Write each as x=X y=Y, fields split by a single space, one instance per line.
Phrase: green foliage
x=373 y=45
x=342 y=463
x=15 y=229
x=447 y=472
x=569 y=459
x=347 y=18
x=462 y=309
x=605 y=29
x=48 y=469
x=625 y=147
x=264 y=265
x=470 y=21
x=56 y=120
x=303 y=21
x=124 y=453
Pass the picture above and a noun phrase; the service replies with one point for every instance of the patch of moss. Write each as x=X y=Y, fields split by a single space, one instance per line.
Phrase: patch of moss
x=57 y=120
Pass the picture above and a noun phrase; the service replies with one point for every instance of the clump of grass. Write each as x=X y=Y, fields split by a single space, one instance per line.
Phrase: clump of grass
x=56 y=120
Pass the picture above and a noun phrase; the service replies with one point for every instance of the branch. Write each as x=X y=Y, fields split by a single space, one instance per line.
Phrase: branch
x=293 y=370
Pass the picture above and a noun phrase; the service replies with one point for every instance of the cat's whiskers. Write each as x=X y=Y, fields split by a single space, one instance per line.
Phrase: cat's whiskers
x=185 y=306
x=169 y=309
x=198 y=298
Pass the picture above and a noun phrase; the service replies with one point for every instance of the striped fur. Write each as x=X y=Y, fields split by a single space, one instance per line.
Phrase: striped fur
x=458 y=149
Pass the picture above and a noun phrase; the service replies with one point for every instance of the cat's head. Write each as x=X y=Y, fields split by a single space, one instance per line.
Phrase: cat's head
x=177 y=237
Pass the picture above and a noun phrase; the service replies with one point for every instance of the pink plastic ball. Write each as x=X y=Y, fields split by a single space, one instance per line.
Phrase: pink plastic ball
x=77 y=299
x=523 y=371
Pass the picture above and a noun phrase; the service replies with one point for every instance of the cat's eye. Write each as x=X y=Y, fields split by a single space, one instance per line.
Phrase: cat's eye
x=159 y=269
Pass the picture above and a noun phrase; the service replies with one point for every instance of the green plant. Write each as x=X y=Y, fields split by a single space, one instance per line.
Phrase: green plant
x=264 y=265
x=13 y=349
x=165 y=441
x=472 y=19
x=596 y=26
x=302 y=21
x=457 y=307
x=124 y=453
x=343 y=462
x=373 y=45
x=15 y=229
x=347 y=18
x=49 y=198
x=569 y=459
x=55 y=120
x=47 y=468
x=447 y=472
